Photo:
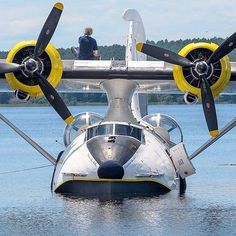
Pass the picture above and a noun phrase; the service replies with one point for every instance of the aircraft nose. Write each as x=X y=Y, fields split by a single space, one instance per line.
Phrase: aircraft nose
x=110 y=170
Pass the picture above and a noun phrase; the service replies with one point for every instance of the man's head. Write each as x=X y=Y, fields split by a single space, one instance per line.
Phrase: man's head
x=88 y=31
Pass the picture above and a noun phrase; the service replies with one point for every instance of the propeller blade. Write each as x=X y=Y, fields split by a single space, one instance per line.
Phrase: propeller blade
x=54 y=99
x=208 y=105
x=9 y=67
x=225 y=48
x=163 y=55
x=48 y=29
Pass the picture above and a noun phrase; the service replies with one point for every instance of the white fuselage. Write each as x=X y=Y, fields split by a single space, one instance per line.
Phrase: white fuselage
x=150 y=162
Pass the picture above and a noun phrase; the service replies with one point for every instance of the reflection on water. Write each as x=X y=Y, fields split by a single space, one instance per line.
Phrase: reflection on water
x=28 y=207
x=163 y=215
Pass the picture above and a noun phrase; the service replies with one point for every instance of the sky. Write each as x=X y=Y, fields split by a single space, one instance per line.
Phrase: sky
x=163 y=19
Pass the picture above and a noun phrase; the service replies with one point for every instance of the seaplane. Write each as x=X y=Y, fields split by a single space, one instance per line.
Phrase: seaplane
x=127 y=151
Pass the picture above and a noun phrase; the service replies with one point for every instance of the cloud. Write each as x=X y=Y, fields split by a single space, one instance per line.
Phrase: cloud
x=23 y=19
x=18 y=22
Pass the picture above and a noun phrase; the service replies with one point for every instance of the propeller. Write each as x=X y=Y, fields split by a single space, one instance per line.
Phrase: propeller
x=31 y=65
x=201 y=67
x=163 y=54
x=225 y=48
x=9 y=67
x=208 y=105
x=48 y=29
x=54 y=99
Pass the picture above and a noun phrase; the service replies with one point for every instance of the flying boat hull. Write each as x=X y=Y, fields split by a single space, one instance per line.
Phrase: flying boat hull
x=148 y=171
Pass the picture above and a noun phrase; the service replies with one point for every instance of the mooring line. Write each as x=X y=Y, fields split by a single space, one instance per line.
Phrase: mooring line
x=22 y=170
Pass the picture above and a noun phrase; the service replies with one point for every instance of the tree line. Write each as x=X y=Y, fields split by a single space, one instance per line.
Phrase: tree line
x=117 y=52
x=75 y=99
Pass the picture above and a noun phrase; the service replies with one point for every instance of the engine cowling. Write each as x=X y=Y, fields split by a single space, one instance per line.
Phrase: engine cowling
x=218 y=75
x=50 y=66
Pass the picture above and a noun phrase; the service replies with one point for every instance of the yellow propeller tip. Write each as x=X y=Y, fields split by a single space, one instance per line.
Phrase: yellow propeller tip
x=69 y=120
x=214 y=133
x=59 y=6
x=139 y=46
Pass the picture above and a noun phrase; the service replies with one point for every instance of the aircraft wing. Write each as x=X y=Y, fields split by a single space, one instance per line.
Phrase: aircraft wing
x=87 y=75
x=151 y=76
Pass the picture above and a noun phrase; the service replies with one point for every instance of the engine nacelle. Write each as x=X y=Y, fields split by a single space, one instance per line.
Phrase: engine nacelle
x=49 y=63
x=218 y=74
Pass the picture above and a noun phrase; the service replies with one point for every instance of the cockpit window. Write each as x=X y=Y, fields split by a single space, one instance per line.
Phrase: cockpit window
x=91 y=132
x=100 y=130
x=128 y=130
x=107 y=129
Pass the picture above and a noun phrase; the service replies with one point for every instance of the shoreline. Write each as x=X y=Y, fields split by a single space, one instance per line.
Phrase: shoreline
x=99 y=104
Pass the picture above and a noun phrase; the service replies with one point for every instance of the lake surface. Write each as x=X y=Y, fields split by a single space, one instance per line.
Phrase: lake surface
x=28 y=207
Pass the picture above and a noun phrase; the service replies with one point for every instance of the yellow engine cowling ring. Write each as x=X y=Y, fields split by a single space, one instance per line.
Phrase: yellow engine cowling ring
x=54 y=74
x=217 y=87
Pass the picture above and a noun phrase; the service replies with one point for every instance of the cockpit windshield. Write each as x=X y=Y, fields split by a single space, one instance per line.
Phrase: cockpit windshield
x=114 y=129
x=105 y=129
x=128 y=130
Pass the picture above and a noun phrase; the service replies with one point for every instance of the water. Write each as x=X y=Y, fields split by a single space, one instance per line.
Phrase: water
x=28 y=207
